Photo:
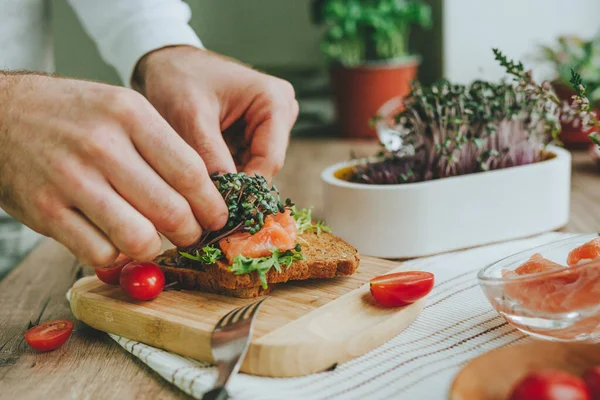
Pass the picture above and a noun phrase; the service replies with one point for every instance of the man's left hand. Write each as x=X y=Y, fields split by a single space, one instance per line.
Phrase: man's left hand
x=220 y=106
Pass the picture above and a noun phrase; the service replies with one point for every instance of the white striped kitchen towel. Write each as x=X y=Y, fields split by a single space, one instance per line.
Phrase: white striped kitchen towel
x=456 y=325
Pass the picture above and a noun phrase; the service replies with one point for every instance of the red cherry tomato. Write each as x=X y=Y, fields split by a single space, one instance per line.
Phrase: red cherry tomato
x=142 y=280
x=592 y=379
x=550 y=385
x=401 y=288
x=49 y=335
x=112 y=273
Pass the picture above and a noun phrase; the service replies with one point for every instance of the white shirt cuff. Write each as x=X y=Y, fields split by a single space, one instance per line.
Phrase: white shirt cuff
x=138 y=40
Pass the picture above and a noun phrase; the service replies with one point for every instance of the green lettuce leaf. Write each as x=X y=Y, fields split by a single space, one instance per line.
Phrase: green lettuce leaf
x=209 y=255
x=262 y=265
x=304 y=222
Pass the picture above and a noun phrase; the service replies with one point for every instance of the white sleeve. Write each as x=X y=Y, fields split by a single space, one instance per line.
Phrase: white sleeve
x=127 y=30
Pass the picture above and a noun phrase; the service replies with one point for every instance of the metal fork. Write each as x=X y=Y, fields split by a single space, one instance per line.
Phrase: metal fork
x=229 y=343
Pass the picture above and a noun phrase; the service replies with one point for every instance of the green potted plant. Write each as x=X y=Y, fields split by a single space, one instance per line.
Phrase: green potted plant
x=574 y=53
x=366 y=44
x=463 y=165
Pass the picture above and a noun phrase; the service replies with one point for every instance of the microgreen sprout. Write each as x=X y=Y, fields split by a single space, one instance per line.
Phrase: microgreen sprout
x=249 y=200
x=449 y=129
x=304 y=222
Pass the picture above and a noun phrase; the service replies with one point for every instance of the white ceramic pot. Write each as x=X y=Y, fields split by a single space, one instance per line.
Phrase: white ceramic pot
x=425 y=218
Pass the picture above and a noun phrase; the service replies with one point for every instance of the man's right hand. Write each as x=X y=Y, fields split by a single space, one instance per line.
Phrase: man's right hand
x=98 y=169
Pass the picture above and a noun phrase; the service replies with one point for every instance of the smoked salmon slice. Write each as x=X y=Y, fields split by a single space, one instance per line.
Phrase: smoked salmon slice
x=286 y=221
x=276 y=233
x=586 y=252
x=560 y=290
x=534 y=265
x=537 y=264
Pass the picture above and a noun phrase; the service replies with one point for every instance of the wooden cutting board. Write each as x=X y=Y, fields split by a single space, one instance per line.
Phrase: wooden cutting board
x=492 y=376
x=304 y=327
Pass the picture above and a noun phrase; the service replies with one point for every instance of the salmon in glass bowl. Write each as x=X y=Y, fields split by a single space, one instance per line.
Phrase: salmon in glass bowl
x=550 y=292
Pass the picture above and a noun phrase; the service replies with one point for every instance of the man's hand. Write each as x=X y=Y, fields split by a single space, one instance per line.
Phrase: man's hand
x=97 y=168
x=202 y=94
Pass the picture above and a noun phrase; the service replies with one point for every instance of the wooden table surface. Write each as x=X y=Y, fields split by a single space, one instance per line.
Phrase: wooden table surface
x=92 y=366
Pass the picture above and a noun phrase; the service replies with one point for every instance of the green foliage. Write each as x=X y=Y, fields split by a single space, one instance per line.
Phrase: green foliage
x=262 y=265
x=209 y=255
x=512 y=68
x=249 y=200
x=319 y=227
x=368 y=30
x=581 y=109
x=575 y=53
x=577 y=84
x=448 y=129
x=304 y=222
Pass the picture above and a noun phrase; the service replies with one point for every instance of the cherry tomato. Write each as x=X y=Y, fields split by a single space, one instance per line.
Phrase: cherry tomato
x=142 y=280
x=550 y=385
x=592 y=379
x=112 y=273
x=49 y=335
x=401 y=288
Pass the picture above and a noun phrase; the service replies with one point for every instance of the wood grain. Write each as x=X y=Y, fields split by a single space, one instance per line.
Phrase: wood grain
x=305 y=327
x=89 y=366
x=493 y=375
x=92 y=365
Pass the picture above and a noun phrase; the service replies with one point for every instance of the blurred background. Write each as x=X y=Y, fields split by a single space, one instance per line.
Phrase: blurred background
x=280 y=37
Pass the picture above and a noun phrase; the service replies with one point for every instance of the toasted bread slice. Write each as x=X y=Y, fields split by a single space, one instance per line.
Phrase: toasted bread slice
x=326 y=256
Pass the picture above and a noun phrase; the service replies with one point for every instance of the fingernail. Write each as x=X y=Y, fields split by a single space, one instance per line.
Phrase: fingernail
x=219 y=223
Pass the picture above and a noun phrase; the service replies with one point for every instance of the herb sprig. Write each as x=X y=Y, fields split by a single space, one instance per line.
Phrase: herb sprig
x=447 y=129
x=579 y=110
x=304 y=222
x=262 y=265
x=209 y=255
x=517 y=69
x=451 y=129
x=581 y=107
x=249 y=200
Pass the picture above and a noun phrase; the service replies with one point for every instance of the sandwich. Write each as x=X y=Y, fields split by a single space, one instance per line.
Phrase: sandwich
x=265 y=242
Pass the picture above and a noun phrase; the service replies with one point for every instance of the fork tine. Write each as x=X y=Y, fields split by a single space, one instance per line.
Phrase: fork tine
x=231 y=317
x=253 y=308
x=234 y=317
x=224 y=321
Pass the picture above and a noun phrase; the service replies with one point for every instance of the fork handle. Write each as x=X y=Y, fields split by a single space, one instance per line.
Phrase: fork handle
x=218 y=393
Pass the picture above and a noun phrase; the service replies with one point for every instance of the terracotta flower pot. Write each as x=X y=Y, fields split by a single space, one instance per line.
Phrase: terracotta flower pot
x=572 y=137
x=359 y=92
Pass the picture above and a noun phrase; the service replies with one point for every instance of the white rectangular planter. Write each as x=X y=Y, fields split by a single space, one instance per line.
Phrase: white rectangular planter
x=425 y=218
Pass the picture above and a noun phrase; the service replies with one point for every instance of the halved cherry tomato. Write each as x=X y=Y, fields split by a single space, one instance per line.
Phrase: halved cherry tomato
x=401 y=288
x=550 y=385
x=49 y=335
x=592 y=379
x=112 y=273
x=142 y=280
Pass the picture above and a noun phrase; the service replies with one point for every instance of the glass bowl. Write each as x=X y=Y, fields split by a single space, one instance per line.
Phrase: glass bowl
x=560 y=305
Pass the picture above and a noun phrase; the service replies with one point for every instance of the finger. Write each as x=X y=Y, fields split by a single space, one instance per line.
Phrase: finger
x=129 y=230
x=182 y=168
x=203 y=133
x=82 y=238
x=145 y=190
x=268 y=147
